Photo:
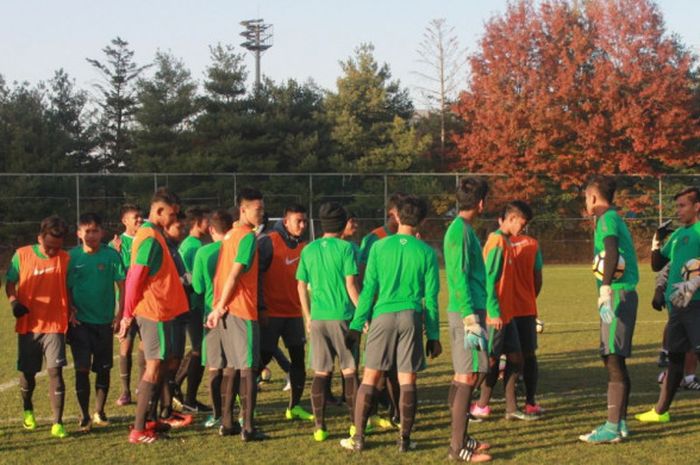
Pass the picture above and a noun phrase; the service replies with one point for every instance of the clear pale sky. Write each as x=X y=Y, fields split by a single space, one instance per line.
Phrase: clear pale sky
x=310 y=36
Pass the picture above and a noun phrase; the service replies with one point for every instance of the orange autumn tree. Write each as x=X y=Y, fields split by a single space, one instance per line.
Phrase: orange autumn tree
x=561 y=90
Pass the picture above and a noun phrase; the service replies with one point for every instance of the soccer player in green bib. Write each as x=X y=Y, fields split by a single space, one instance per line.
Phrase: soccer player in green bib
x=203 y=271
x=328 y=267
x=617 y=305
x=466 y=279
x=682 y=298
x=131 y=218
x=197 y=219
x=93 y=272
x=401 y=279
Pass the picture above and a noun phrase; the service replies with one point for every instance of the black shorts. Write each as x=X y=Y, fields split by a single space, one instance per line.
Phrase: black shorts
x=684 y=328
x=195 y=328
x=616 y=336
x=527 y=332
x=505 y=341
x=92 y=346
x=291 y=330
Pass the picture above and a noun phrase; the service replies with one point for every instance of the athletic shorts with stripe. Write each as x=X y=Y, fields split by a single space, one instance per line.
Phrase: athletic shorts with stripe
x=684 y=328
x=291 y=330
x=157 y=338
x=33 y=348
x=465 y=361
x=327 y=343
x=396 y=338
x=91 y=346
x=504 y=341
x=616 y=337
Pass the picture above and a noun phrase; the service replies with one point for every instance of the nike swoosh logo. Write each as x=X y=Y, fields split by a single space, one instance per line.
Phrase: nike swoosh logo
x=38 y=272
x=289 y=262
x=79 y=266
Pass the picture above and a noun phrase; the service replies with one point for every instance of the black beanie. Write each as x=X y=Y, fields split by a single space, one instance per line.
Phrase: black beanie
x=333 y=217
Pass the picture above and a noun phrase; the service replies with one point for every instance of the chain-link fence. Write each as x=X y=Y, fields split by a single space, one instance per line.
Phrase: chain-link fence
x=560 y=224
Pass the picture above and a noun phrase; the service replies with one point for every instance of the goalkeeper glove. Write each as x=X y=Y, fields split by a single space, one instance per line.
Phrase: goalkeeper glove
x=19 y=310
x=659 y=300
x=605 y=304
x=684 y=291
x=352 y=338
x=663 y=231
x=474 y=337
x=433 y=348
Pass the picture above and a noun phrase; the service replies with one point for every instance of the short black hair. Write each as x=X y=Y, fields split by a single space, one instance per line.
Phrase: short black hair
x=470 y=192
x=395 y=199
x=164 y=195
x=127 y=208
x=351 y=215
x=53 y=226
x=687 y=191
x=89 y=218
x=247 y=194
x=412 y=210
x=518 y=207
x=605 y=185
x=221 y=220
x=294 y=208
x=196 y=214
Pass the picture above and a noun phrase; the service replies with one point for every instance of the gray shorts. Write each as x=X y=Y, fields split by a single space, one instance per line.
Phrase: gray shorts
x=465 y=361
x=32 y=348
x=239 y=345
x=396 y=340
x=684 y=328
x=327 y=343
x=157 y=338
x=92 y=346
x=214 y=353
x=291 y=330
x=616 y=337
x=505 y=341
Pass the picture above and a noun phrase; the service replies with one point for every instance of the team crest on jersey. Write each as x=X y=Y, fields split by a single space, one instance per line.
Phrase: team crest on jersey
x=685 y=241
x=403 y=241
x=101 y=266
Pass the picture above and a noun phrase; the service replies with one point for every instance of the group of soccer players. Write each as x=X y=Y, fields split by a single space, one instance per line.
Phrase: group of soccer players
x=236 y=289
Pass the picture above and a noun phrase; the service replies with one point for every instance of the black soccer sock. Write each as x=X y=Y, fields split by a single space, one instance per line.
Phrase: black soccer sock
x=101 y=390
x=248 y=394
x=194 y=378
x=143 y=403
x=27 y=383
x=393 y=392
x=530 y=375
x=183 y=369
x=460 y=413
x=381 y=396
x=153 y=402
x=350 y=388
x=227 y=398
x=297 y=374
x=318 y=399
x=82 y=391
x=363 y=405
x=513 y=369
x=57 y=393
x=407 y=408
x=616 y=387
x=215 y=378
x=674 y=375
x=489 y=382
x=125 y=362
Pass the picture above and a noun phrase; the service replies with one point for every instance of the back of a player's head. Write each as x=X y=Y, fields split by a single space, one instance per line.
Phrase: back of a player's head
x=471 y=192
x=221 y=221
x=412 y=210
x=128 y=208
x=351 y=215
x=89 y=219
x=394 y=200
x=294 y=208
x=53 y=226
x=605 y=186
x=166 y=196
x=248 y=194
x=693 y=192
x=519 y=208
x=195 y=215
x=333 y=217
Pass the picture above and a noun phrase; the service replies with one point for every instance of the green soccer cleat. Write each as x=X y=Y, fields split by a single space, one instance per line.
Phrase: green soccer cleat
x=652 y=417
x=369 y=429
x=298 y=413
x=604 y=434
x=211 y=421
x=320 y=435
x=624 y=431
x=29 y=421
x=59 y=431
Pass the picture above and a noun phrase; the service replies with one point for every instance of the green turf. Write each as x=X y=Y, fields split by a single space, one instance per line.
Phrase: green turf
x=572 y=387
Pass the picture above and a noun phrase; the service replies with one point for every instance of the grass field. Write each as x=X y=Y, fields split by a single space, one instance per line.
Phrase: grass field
x=572 y=388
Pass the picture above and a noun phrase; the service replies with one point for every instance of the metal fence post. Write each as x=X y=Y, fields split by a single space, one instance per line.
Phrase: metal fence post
x=661 y=200
x=155 y=182
x=77 y=198
x=386 y=197
x=235 y=187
